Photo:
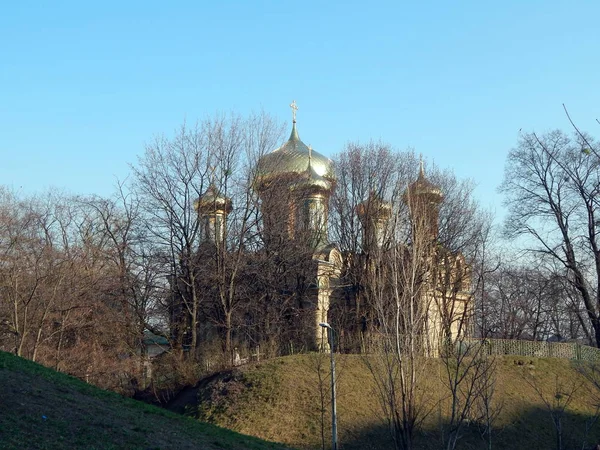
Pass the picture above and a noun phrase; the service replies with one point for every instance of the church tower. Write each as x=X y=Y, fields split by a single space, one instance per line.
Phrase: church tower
x=423 y=199
x=294 y=185
x=374 y=215
x=213 y=209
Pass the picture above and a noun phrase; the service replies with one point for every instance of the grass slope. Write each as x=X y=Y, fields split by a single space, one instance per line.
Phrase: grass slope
x=44 y=409
x=279 y=400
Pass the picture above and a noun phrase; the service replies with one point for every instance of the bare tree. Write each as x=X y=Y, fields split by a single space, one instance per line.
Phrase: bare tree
x=180 y=182
x=468 y=376
x=488 y=406
x=407 y=276
x=58 y=289
x=552 y=190
x=556 y=402
x=170 y=178
x=530 y=302
x=32 y=270
x=366 y=174
x=591 y=372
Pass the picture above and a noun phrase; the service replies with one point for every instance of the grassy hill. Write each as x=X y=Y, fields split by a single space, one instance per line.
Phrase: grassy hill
x=44 y=409
x=280 y=400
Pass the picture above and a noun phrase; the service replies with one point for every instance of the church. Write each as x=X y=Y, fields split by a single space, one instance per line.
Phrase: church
x=294 y=184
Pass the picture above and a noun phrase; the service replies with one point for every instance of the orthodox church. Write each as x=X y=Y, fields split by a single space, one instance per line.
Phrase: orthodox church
x=294 y=184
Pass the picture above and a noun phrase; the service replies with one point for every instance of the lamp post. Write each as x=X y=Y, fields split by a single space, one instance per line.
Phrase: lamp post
x=333 y=406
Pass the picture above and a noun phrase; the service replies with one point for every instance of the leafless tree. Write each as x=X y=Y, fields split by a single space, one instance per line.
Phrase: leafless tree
x=468 y=376
x=556 y=402
x=488 y=406
x=219 y=153
x=529 y=303
x=591 y=372
x=552 y=191
x=58 y=289
x=366 y=175
x=395 y=293
x=32 y=272
x=170 y=178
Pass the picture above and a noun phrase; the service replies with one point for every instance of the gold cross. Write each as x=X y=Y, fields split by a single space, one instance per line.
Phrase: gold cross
x=294 y=109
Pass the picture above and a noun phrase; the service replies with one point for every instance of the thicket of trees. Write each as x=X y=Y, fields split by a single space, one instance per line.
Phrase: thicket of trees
x=83 y=279
x=70 y=296
x=407 y=283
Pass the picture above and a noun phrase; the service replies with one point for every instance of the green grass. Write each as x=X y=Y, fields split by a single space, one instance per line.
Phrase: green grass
x=279 y=400
x=44 y=409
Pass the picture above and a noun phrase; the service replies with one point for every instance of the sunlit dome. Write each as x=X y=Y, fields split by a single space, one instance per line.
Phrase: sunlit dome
x=295 y=158
x=423 y=187
x=212 y=201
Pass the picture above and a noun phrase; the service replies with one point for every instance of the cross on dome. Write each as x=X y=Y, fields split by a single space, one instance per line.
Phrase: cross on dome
x=294 y=109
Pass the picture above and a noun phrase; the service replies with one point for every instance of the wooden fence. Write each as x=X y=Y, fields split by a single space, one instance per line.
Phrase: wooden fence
x=542 y=349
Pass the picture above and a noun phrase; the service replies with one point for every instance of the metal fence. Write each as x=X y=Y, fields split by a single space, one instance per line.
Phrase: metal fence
x=541 y=349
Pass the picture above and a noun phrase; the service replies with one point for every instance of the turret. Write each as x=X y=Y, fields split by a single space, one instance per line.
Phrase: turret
x=213 y=209
x=423 y=199
x=374 y=215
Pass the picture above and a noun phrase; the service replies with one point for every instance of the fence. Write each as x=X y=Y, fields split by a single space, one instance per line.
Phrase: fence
x=497 y=347
x=542 y=349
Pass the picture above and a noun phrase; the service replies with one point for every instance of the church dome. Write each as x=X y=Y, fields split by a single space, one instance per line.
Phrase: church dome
x=295 y=158
x=310 y=179
x=212 y=201
x=423 y=187
x=374 y=207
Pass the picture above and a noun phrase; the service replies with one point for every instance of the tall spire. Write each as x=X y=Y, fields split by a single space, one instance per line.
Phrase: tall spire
x=422 y=167
x=309 y=155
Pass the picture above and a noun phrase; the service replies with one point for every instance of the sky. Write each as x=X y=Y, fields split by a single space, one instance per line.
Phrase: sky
x=84 y=85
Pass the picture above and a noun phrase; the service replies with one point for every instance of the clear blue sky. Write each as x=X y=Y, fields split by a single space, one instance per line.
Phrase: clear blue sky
x=83 y=87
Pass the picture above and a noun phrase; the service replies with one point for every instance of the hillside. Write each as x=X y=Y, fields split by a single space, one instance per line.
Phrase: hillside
x=44 y=409
x=279 y=400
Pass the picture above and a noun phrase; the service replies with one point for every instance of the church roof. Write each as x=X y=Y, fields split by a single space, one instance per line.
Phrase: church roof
x=374 y=206
x=422 y=186
x=212 y=201
x=295 y=157
x=311 y=179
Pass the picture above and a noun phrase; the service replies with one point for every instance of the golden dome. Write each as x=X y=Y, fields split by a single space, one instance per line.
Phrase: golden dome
x=310 y=179
x=424 y=187
x=295 y=158
x=374 y=207
x=211 y=202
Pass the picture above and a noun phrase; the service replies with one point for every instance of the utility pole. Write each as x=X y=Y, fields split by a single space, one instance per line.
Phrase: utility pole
x=334 y=445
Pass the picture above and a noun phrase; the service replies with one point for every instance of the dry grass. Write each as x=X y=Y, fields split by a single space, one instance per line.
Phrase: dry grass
x=279 y=400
